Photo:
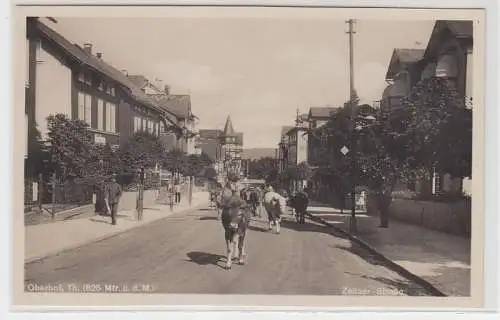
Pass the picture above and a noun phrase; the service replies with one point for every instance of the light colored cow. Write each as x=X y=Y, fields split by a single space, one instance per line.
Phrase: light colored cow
x=275 y=205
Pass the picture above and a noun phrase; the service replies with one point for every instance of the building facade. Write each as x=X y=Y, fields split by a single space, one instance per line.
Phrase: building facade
x=448 y=55
x=179 y=111
x=87 y=88
x=402 y=74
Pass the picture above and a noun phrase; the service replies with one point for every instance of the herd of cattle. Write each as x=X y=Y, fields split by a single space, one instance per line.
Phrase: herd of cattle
x=235 y=209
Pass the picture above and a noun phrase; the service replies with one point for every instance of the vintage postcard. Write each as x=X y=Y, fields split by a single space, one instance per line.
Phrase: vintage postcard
x=248 y=157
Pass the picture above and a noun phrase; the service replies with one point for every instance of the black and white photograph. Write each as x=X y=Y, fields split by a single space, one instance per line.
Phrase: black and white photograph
x=294 y=152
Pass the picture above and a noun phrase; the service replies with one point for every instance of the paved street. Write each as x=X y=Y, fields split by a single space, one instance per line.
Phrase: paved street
x=184 y=254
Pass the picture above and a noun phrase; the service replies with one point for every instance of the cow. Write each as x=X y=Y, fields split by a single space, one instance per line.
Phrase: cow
x=275 y=205
x=235 y=221
x=299 y=203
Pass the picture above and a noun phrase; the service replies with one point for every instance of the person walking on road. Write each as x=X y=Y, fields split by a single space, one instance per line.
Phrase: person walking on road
x=112 y=194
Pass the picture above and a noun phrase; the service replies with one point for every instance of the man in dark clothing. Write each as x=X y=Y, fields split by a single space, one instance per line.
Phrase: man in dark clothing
x=112 y=194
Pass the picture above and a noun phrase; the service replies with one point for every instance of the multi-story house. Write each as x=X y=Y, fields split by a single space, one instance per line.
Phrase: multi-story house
x=402 y=74
x=448 y=55
x=178 y=107
x=317 y=117
x=297 y=142
x=282 y=150
x=209 y=141
x=232 y=147
x=88 y=88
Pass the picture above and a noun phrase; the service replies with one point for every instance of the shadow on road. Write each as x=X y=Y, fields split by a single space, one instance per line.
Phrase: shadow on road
x=207 y=218
x=258 y=229
x=311 y=227
x=204 y=258
x=360 y=252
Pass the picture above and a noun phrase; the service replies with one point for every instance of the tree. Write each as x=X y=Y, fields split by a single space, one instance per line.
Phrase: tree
x=175 y=161
x=38 y=157
x=70 y=145
x=303 y=171
x=142 y=150
x=210 y=173
x=261 y=168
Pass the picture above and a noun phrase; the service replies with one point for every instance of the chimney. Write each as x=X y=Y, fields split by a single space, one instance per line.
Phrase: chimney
x=124 y=71
x=99 y=55
x=87 y=47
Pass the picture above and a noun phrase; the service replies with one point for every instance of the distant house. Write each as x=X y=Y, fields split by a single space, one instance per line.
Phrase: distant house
x=178 y=109
x=65 y=78
x=282 y=154
x=317 y=117
x=209 y=141
x=402 y=74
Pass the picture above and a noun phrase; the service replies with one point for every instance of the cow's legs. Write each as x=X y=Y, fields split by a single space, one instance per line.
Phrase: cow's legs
x=241 y=248
x=277 y=223
x=230 y=251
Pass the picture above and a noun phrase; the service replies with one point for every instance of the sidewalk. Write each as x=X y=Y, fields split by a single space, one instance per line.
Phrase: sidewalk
x=441 y=259
x=47 y=239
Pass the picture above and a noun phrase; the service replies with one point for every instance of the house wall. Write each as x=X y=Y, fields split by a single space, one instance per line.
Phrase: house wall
x=51 y=98
x=301 y=147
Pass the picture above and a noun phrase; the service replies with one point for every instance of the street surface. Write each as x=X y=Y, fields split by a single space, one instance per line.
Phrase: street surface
x=184 y=253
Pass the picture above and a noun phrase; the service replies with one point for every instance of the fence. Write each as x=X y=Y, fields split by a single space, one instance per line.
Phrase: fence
x=52 y=194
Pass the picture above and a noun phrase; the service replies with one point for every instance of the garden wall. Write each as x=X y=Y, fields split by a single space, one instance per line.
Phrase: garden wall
x=454 y=218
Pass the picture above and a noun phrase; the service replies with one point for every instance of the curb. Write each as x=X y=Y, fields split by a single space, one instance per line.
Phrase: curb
x=104 y=237
x=396 y=267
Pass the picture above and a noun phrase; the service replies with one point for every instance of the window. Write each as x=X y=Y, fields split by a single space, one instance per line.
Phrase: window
x=88 y=79
x=85 y=107
x=110 y=117
x=88 y=109
x=144 y=125
x=81 y=77
x=27 y=83
x=137 y=124
x=447 y=66
x=101 y=85
x=162 y=127
x=100 y=114
x=110 y=90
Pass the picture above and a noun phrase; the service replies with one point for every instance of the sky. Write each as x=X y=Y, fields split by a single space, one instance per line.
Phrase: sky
x=257 y=70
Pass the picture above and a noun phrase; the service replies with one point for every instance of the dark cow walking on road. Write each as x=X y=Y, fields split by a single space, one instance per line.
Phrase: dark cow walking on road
x=235 y=220
x=299 y=203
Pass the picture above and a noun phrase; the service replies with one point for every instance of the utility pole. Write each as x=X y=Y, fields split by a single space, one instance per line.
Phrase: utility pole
x=352 y=97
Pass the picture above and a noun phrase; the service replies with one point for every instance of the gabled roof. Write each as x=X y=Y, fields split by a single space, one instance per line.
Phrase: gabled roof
x=179 y=105
x=460 y=29
x=99 y=65
x=228 y=128
x=210 y=133
x=401 y=57
x=138 y=80
x=321 y=112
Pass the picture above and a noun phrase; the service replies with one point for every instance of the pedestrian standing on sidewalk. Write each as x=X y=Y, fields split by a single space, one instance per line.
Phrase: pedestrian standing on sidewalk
x=112 y=194
x=177 y=190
